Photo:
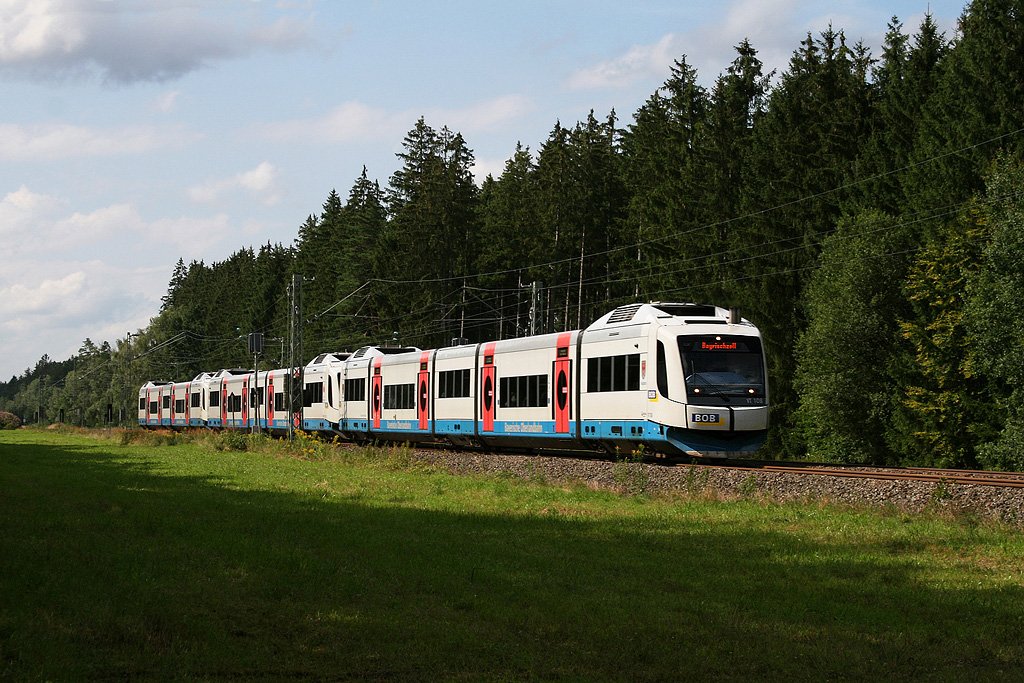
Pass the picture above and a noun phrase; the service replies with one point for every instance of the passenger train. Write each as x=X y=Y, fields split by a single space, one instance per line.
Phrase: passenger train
x=676 y=378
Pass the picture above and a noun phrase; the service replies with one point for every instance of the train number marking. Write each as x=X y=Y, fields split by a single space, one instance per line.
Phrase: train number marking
x=706 y=418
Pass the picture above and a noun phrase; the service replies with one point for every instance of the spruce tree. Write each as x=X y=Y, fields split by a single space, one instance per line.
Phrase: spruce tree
x=511 y=243
x=975 y=110
x=431 y=236
x=738 y=102
x=665 y=171
x=800 y=154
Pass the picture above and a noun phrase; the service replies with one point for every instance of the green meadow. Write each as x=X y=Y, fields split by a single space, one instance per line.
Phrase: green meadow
x=167 y=558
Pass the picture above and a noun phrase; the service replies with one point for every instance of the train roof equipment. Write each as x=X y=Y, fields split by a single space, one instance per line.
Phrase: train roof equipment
x=668 y=312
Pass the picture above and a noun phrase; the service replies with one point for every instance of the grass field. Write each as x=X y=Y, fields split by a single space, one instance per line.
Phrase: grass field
x=181 y=561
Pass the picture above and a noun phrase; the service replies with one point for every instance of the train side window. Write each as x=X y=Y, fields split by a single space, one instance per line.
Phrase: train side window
x=313 y=393
x=527 y=391
x=214 y=399
x=355 y=389
x=662 y=371
x=399 y=396
x=453 y=384
x=613 y=373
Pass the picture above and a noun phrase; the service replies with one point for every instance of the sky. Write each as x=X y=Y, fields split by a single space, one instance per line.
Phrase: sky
x=137 y=132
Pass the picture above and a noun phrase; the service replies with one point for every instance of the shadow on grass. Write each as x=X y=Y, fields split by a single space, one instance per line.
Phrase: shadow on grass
x=108 y=570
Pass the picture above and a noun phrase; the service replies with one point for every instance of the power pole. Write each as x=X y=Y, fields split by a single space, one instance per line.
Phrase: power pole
x=536 y=315
x=295 y=355
x=256 y=348
x=462 y=319
x=128 y=402
x=533 y=308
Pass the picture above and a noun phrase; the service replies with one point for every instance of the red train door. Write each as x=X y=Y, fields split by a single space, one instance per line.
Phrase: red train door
x=245 y=402
x=563 y=381
x=488 y=390
x=423 y=384
x=270 y=400
x=149 y=415
x=377 y=391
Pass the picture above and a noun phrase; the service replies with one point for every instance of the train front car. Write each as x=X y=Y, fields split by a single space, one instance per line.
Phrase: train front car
x=702 y=381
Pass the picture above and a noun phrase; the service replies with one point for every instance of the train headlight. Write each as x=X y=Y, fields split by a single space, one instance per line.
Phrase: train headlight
x=696 y=391
x=751 y=391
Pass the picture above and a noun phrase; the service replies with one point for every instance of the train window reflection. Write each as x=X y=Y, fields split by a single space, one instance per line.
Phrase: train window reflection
x=722 y=366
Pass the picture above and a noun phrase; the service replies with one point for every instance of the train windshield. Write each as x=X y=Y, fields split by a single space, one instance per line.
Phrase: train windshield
x=721 y=367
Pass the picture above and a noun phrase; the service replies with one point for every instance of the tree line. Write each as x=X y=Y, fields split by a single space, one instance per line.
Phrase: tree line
x=864 y=211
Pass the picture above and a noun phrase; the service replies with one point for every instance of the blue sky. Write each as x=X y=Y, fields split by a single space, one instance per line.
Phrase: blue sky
x=133 y=133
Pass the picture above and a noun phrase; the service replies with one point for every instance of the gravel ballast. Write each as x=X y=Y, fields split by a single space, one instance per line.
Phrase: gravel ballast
x=995 y=503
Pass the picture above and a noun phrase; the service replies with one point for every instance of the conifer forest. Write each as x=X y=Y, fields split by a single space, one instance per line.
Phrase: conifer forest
x=864 y=210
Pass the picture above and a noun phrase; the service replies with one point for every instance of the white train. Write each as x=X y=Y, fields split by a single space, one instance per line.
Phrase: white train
x=675 y=378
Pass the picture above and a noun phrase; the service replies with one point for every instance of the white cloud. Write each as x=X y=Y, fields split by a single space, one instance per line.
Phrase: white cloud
x=54 y=305
x=358 y=122
x=640 y=62
x=36 y=227
x=167 y=101
x=45 y=297
x=769 y=25
x=106 y=223
x=97 y=274
x=709 y=48
x=192 y=237
x=63 y=141
x=142 y=40
x=33 y=223
x=348 y=122
x=484 y=167
x=35 y=29
x=22 y=209
x=260 y=182
x=486 y=115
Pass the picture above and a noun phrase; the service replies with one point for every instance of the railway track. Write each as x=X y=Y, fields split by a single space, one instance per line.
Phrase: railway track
x=1013 y=480
x=924 y=474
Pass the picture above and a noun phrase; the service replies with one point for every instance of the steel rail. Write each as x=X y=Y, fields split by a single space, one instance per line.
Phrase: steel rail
x=948 y=477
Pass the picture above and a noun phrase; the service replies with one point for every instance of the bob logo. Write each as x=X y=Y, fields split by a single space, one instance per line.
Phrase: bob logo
x=723 y=346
